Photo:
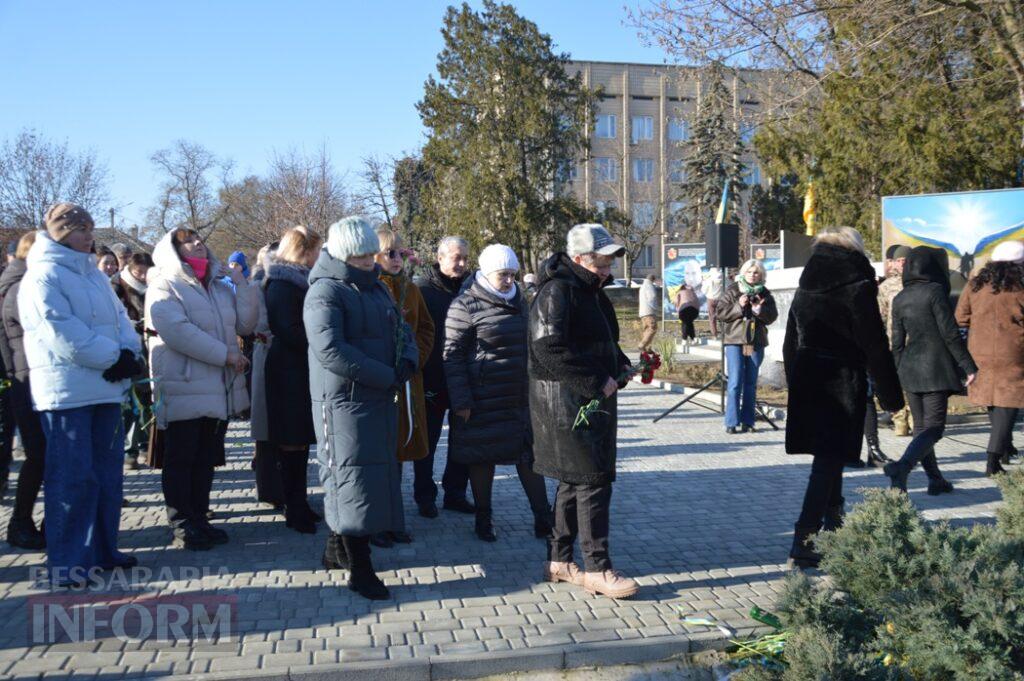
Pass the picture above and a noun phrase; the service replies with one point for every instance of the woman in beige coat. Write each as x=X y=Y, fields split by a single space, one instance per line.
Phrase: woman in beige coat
x=991 y=308
x=193 y=318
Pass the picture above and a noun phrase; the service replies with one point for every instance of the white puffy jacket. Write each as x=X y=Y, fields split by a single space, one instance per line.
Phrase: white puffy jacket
x=75 y=328
x=195 y=326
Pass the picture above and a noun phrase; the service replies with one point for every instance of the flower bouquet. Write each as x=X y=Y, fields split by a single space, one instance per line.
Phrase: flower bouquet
x=650 y=362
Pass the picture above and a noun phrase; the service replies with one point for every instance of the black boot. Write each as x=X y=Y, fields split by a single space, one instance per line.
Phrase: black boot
x=484 y=530
x=293 y=480
x=22 y=533
x=543 y=523
x=992 y=466
x=191 y=537
x=876 y=457
x=939 y=486
x=216 y=535
x=802 y=555
x=382 y=540
x=361 y=577
x=834 y=516
x=334 y=557
x=897 y=475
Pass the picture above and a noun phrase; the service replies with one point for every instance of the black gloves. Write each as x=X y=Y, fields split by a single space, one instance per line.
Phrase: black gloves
x=404 y=371
x=126 y=366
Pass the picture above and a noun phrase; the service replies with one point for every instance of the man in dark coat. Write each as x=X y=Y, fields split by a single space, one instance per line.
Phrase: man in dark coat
x=440 y=287
x=834 y=338
x=575 y=358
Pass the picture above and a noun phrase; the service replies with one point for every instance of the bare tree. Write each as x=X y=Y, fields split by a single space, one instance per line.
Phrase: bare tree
x=814 y=39
x=35 y=173
x=299 y=189
x=378 y=187
x=188 y=197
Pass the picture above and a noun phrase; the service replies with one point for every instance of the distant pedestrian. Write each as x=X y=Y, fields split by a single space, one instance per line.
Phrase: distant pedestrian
x=687 y=308
x=650 y=310
x=745 y=309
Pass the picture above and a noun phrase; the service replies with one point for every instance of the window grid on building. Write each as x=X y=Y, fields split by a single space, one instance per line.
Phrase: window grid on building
x=643 y=170
x=606 y=169
x=641 y=128
x=605 y=126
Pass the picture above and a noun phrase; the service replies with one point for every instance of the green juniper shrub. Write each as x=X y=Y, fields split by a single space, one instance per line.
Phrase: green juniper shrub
x=907 y=599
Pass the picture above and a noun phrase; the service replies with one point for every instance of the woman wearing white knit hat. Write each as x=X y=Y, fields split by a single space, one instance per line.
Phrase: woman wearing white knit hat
x=485 y=364
x=990 y=308
x=361 y=355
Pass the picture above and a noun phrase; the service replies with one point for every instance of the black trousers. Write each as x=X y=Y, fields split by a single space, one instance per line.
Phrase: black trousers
x=6 y=434
x=686 y=317
x=269 y=487
x=871 y=416
x=191 y=449
x=929 y=412
x=481 y=477
x=582 y=510
x=1003 y=419
x=456 y=475
x=824 y=490
x=33 y=440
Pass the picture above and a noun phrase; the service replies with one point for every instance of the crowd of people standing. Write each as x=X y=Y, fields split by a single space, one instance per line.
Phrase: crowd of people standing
x=113 y=357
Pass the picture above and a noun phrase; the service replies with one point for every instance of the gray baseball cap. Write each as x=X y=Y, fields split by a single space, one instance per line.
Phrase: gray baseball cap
x=592 y=238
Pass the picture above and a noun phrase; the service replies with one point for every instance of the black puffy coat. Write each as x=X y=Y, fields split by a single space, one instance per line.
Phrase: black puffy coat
x=286 y=371
x=438 y=292
x=574 y=350
x=834 y=339
x=485 y=366
x=930 y=354
x=12 y=343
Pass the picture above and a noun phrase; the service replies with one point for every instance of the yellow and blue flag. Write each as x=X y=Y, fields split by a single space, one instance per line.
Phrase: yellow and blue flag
x=724 y=206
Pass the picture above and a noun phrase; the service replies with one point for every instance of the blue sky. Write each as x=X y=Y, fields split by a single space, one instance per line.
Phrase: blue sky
x=246 y=78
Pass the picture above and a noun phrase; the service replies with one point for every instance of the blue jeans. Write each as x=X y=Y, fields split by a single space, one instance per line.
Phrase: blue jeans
x=741 y=391
x=82 y=487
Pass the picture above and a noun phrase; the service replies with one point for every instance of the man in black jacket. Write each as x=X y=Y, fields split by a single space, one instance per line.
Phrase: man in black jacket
x=440 y=287
x=575 y=358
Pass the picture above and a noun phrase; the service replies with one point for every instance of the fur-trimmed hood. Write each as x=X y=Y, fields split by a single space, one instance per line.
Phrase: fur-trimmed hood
x=290 y=272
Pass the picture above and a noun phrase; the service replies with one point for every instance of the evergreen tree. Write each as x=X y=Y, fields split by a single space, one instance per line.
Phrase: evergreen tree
x=775 y=210
x=714 y=152
x=503 y=119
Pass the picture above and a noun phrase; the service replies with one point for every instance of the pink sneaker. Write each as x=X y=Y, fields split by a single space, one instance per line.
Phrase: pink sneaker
x=563 y=572
x=610 y=583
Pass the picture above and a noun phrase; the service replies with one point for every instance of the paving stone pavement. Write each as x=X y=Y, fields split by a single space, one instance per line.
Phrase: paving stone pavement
x=703 y=520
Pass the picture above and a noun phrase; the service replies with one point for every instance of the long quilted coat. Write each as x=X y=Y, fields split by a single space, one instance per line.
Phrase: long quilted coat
x=485 y=357
x=351 y=323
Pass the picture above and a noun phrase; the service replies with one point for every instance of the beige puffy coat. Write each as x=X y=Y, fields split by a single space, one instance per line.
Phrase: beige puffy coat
x=195 y=327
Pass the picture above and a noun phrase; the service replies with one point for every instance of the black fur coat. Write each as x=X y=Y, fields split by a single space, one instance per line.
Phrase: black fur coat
x=834 y=338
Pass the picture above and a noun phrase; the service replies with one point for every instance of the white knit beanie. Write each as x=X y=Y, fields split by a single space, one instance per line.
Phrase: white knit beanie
x=498 y=257
x=351 y=236
x=1008 y=251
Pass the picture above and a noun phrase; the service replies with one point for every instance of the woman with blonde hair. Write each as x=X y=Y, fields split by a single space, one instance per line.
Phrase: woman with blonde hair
x=744 y=312
x=411 y=446
x=834 y=339
x=286 y=371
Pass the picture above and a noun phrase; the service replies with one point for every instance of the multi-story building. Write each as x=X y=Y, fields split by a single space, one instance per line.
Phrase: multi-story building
x=638 y=144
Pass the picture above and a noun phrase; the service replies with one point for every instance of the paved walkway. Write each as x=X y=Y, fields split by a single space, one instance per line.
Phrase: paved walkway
x=702 y=519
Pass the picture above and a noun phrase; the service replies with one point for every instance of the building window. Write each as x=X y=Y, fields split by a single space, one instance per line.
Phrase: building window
x=677 y=171
x=747 y=131
x=603 y=206
x=605 y=127
x=645 y=260
x=675 y=214
x=606 y=168
x=567 y=172
x=678 y=129
x=643 y=170
x=643 y=215
x=642 y=128
x=752 y=175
